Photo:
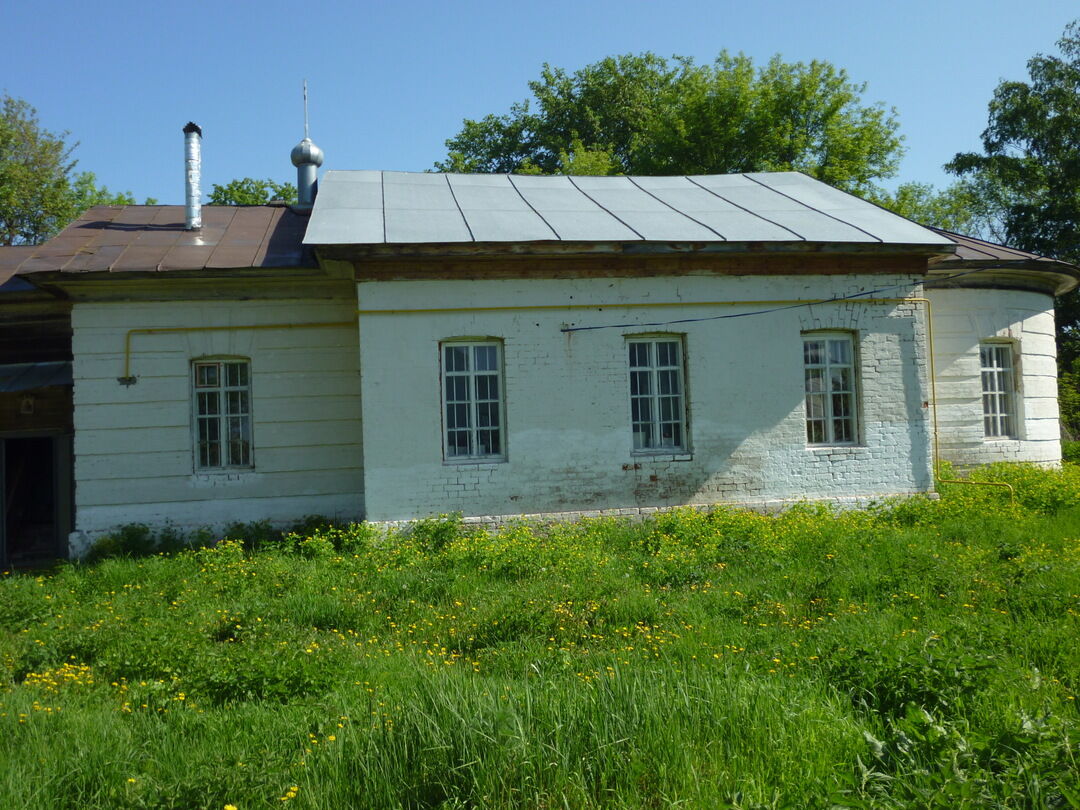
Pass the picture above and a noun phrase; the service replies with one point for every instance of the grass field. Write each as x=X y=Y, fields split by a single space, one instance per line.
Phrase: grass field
x=921 y=654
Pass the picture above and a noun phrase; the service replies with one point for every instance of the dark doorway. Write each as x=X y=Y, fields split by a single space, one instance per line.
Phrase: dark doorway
x=33 y=508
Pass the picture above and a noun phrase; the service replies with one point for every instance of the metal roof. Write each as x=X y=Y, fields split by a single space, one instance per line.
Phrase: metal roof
x=28 y=376
x=971 y=249
x=140 y=238
x=381 y=207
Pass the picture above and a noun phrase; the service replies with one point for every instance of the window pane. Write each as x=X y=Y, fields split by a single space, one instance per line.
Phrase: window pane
x=839 y=352
x=841 y=430
x=814 y=352
x=206 y=403
x=841 y=379
x=639 y=355
x=457 y=358
x=815 y=380
x=667 y=354
x=206 y=375
x=485 y=358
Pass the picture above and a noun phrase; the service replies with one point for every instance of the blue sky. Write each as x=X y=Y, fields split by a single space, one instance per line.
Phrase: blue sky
x=390 y=82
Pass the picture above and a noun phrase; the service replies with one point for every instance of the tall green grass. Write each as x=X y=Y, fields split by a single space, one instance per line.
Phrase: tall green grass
x=916 y=654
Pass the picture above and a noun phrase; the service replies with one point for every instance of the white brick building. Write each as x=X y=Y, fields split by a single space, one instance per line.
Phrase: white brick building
x=497 y=346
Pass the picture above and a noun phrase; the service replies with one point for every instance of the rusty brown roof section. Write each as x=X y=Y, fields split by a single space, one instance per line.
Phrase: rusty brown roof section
x=970 y=249
x=151 y=238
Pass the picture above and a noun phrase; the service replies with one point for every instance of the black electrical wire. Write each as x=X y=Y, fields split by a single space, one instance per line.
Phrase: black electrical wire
x=837 y=299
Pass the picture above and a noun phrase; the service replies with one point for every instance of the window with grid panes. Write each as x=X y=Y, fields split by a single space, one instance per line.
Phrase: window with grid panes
x=830 y=386
x=222 y=403
x=657 y=394
x=473 y=401
x=998 y=387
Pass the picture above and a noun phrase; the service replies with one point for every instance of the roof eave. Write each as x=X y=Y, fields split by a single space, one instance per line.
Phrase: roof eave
x=428 y=250
x=1033 y=275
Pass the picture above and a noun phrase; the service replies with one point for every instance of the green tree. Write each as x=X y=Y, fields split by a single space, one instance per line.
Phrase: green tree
x=39 y=195
x=35 y=165
x=248 y=191
x=646 y=114
x=1031 y=153
x=960 y=207
x=1029 y=175
x=86 y=193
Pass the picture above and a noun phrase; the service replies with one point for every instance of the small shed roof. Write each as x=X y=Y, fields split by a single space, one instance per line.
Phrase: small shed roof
x=141 y=238
x=393 y=208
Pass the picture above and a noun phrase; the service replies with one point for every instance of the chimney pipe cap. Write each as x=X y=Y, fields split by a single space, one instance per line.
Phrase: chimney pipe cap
x=192 y=127
x=306 y=153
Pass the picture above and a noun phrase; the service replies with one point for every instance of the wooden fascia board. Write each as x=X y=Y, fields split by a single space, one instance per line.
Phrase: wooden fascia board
x=460 y=268
x=110 y=286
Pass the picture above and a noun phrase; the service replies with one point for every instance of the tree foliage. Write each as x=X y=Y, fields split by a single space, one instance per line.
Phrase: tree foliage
x=959 y=208
x=35 y=165
x=39 y=194
x=645 y=114
x=1031 y=153
x=1029 y=170
x=248 y=191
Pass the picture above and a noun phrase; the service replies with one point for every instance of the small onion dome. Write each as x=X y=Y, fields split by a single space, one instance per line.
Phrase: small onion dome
x=306 y=153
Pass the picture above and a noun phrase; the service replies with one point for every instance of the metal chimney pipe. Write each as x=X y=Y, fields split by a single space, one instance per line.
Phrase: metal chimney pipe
x=307 y=158
x=193 y=177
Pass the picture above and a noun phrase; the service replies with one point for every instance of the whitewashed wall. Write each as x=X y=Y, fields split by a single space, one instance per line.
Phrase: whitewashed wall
x=567 y=399
x=133 y=445
x=963 y=318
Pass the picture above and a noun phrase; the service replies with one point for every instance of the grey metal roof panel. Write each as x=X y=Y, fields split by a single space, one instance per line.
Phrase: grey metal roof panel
x=645 y=213
x=492 y=226
x=405 y=226
x=589 y=226
x=358 y=226
x=809 y=223
x=883 y=224
x=448 y=208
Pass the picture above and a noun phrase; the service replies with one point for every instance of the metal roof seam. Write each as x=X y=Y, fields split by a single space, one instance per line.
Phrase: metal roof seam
x=744 y=208
x=816 y=210
x=464 y=218
x=225 y=229
x=524 y=199
x=382 y=197
x=271 y=224
x=673 y=208
x=607 y=211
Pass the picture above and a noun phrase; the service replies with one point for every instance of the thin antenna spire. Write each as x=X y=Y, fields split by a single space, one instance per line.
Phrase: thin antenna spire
x=305 y=110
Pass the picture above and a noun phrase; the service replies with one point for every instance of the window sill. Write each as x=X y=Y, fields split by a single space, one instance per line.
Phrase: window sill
x=223 y=478
x=661 y=455
x=473 y=462
x=833 y=448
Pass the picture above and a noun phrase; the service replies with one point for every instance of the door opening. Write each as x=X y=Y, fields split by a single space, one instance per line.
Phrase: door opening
x=32 y=490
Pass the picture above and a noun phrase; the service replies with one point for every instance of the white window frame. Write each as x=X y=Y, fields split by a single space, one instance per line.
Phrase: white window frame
x=468 y=406
x=998 y=377
x=221 y=414
x=658 y=396
x=831 y=398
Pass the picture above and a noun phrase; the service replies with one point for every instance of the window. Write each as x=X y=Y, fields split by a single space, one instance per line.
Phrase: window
x=999 y=403
x=829 y=373
x=472 y=400
x=222 y=403
x=657 y=399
